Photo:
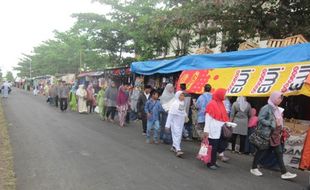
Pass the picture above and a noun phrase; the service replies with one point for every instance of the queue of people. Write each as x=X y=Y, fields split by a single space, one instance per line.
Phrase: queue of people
x=175 y=116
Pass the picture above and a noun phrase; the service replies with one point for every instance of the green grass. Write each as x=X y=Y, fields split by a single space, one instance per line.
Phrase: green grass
x=7 y=176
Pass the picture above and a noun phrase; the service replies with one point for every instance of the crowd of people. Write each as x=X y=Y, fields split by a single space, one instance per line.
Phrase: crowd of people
x=170 y=117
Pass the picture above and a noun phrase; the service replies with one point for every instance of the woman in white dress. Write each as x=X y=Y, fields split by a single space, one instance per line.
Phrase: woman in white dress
x=175 y=122
x=82 y=95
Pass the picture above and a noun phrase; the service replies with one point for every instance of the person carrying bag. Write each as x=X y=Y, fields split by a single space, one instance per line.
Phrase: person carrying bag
x=268 y=135
x=205 y=151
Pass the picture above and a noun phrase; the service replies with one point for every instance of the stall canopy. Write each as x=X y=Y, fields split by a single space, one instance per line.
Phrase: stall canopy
x=91 y=74
x=253 y=73
x=253 y=57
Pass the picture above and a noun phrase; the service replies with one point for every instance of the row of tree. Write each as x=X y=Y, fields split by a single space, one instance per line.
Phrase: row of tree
x=8 y=77
x=151 y=28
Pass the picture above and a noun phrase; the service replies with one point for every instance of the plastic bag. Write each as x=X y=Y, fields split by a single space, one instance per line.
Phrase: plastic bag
x=205 y=151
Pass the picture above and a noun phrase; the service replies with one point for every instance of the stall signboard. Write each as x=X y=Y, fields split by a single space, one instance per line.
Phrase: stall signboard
x=252 y=81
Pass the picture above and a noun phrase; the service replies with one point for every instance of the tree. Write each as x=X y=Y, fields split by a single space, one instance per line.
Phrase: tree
x=0 y=75
x=152 y=28
x=9 y=76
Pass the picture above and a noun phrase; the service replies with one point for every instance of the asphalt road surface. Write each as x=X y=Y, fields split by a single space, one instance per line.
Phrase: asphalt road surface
x=64 y=151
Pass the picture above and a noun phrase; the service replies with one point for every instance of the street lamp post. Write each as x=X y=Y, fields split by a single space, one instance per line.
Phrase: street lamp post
x=30 y=69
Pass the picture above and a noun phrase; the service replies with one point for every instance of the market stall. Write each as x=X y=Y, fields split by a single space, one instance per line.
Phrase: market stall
x=120 y=75
x=90 y=77
x=253 y=73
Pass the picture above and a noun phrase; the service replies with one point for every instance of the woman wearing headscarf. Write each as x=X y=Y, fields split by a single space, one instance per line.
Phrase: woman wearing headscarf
x=82 y=96
x=91 y=101
x=72 y=103
x=101 y=102
x=216 y=116
x=166 y=99
x=122 y=104
x=175 y=122
x=134 y=96
x=270 y=116
x=240 y=114
x=110 y=97
x=253 y=121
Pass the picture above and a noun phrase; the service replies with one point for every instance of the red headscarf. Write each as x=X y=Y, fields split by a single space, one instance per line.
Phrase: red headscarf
x=216 y=108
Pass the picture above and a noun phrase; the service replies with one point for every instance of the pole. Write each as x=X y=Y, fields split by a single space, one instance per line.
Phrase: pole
x=30 y=70
x=80 y=60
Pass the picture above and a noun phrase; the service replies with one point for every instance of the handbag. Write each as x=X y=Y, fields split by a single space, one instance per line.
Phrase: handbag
x=259 y=141
x=227 y=131
x=261 y=137
x=205 y=151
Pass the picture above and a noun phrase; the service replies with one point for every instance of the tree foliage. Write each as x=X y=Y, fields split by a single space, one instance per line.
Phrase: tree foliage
x=151 y=28
x=9 y=76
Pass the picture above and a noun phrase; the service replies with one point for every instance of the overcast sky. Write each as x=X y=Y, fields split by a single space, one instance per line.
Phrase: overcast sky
x=26 y=23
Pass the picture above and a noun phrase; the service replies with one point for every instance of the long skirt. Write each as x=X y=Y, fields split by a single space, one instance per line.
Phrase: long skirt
x=82 y=107
x=122 y=112
x=73 y=104
x=102 y=111
x=176 y=123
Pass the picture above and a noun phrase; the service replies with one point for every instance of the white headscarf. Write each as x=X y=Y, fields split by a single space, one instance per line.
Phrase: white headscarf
x=178 y=107
x=243 y=104
x=81 y=92
x=167 y=95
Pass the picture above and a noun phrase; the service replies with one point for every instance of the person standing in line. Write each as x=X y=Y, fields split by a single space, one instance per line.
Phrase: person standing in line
x=63 y=94
x=240 y=114
x=81 y=94
x=101 y=103
x=224 y=141
x=153 y=109
x=134 y=96
x=56 y=98
x=144 y=96
x=270 y=116
x=175 y=122
x=91 y=102
x=110 y=96
x=51 y=94
x=73 y=98
x=253 y=121
x=187 y=130
x=201 y=104
x=166 y=100
x=46 y=90
x=122 y=104
x=215 y=118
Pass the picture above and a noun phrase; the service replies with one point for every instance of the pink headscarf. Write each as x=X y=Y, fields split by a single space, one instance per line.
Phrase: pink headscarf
x=122 y=97
x=271 y=101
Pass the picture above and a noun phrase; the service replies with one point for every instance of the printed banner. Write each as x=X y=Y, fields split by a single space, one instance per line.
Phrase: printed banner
x=256 y=81
x=293 y=150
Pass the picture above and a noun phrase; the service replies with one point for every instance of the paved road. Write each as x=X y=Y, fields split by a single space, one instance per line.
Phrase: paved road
x=64 y=151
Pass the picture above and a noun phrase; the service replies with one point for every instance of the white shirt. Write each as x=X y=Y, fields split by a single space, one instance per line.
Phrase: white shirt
x=147 y=95
x=213 y=127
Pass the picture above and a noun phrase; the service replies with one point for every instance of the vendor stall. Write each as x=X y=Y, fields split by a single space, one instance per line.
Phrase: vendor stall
x=120 y=75
x=252 y=73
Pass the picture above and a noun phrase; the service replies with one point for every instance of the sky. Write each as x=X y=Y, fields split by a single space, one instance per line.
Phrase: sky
x=26 y=23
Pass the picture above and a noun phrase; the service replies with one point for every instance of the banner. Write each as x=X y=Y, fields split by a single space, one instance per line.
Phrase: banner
x=254 y=81
x=293 y=150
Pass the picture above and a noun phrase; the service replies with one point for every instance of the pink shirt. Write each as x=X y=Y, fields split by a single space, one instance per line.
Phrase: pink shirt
x=253 y=122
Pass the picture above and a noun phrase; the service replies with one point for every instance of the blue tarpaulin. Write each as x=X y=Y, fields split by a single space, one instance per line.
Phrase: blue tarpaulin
x=253 y=57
